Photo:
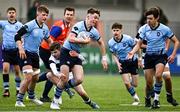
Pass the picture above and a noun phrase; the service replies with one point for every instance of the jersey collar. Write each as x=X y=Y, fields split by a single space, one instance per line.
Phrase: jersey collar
x=12 y=22
x=86 y=27
x=119 y=40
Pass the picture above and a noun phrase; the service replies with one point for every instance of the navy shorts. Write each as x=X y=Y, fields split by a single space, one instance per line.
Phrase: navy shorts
x=129 y=66
x=150 y=61
x=45 y=55
x=10 y=56
x=32 y=59
x=66 y=59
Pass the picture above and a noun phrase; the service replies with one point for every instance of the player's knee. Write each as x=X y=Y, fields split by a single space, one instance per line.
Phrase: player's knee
x=5 y=70
x=49 y=75
x=79 y=81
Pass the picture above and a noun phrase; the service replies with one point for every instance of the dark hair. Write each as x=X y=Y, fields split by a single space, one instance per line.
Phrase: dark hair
x=10 y=9
x=54 y=46
x=117 y=25
x=43 y=8
x=154 y=11
x=93 y=10
x=69 y=9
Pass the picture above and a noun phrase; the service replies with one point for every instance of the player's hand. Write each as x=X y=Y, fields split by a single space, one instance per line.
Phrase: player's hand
x=119 y=67
x=171 y=59
x=140 y=65
x=104 y=63
x=22 y=53
x=86 y=40
x=130 y=56
x=73 y=53
x=62 y=76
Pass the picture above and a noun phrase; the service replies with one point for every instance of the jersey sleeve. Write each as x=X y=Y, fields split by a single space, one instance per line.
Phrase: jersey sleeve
x=1 y=24
x=110 y=46
x=169 y=33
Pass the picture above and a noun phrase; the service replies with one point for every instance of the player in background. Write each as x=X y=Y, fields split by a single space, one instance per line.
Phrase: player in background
x=58 y=33
x=120 y=45
x=155 y=58
x=74 y=64
x=166 y=73
x=9 y=49
x=54 y=75
x=33 y=33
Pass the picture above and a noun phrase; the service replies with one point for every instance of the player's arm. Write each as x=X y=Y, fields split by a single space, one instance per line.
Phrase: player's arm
x=176 y=46
x=72 y=37
x=52 y=65
x=103 y=53
x=135 y=49
x=18 y=41
x=167 y=44
x=117 y=62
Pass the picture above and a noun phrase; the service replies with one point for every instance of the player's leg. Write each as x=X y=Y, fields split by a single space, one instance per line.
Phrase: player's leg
x=31 y=89
x=148 y=73
x=129 y=87
x=80 y=90
x=59 y=88
x=28 y=72
x=78 y=74
x=44 y=55
x=168 y=85
x=159 y=68
x=17 y=77
x=5 y=72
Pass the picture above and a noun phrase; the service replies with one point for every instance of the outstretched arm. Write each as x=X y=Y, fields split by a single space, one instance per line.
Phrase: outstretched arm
x=103 y=52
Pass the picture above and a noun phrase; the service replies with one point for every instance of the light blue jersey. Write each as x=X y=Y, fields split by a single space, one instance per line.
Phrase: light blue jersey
x=155 y=38
x=123 y=47
x=80 y=27
x=34 y=36
x=9 y=31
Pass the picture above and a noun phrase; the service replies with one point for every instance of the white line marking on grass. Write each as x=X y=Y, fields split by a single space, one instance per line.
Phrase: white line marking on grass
x=143 y=105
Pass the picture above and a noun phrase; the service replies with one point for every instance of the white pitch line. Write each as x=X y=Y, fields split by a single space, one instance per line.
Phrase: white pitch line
x=163 y=105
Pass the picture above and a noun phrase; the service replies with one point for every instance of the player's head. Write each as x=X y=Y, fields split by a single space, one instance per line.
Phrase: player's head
x=42 y=13
x=93 y=16
x=55 y=49
x=11 y=13
x=152 y=16
x=117 y=30
x=69 y=13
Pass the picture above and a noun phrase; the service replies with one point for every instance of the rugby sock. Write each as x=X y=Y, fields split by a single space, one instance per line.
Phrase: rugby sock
x=20 y=97
x=18 y=81
x=131 y=91
x=157 y=90
x=47 y=88
x=31 y=94
x=42 y=77
x=6 y=81
x=58 y=92
x=70 y=84
x=87 y=101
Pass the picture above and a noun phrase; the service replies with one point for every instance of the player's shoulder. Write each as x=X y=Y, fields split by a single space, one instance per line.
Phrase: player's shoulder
x=58 y=22
x=111 y=41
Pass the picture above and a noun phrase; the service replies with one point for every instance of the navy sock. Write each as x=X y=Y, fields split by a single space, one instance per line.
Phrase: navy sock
x=6 y=81
x=47 y=88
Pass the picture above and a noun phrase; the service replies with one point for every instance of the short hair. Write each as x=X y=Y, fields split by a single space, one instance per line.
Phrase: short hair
x=10 y=9
x=117 y=25
x=69 y=9
x=54 y=46
x=154 y=11
x=43 y=8
x=93 y=10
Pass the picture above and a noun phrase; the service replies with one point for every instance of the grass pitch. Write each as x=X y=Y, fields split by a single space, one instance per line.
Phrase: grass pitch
x=107 y=91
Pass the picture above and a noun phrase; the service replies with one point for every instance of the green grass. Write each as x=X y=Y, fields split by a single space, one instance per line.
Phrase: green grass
x=107 y=90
